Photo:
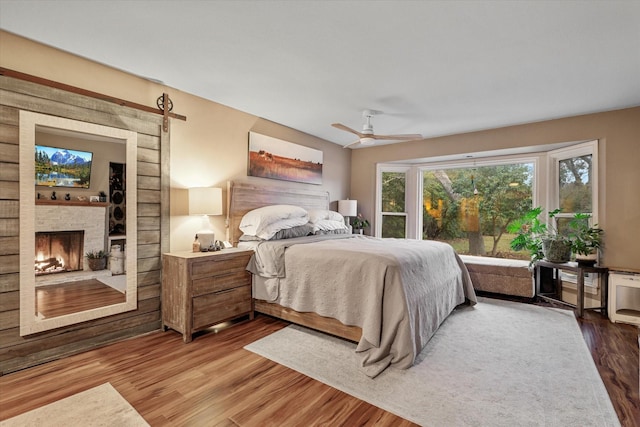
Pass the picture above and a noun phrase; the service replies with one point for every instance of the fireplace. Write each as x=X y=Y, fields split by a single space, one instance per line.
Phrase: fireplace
x=89 y=219
x=59 y=251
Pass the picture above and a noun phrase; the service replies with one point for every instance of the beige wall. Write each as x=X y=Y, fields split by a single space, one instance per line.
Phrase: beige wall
x=207 y=149
x=619 y=175
x=211 y=146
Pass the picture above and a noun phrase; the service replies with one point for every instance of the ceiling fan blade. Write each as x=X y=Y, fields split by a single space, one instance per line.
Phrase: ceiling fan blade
x=348 y=129
x=403 y=137
x=353 y=143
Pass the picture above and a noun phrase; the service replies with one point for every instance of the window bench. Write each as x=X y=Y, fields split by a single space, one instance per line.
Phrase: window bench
x=500 y=276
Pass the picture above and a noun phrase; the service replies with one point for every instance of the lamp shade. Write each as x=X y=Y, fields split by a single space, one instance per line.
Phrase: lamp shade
x=348 y=207
x=205 y=201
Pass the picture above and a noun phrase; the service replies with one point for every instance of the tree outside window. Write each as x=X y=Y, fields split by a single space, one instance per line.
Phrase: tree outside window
x=471 y=208
x=394 y=217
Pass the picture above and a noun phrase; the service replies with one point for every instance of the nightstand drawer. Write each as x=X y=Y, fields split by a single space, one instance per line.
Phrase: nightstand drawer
x=213 y=308
x=201 y=289
x=216 y=266
x=210 y=284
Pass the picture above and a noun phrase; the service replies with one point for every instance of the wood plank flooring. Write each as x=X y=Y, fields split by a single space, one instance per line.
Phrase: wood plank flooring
x=213 y=381
x=74 y=297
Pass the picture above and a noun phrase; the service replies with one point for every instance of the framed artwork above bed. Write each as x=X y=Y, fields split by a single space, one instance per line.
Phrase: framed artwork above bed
x=274 y=158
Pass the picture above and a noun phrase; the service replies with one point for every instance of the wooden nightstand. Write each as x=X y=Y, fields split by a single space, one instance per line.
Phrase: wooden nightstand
x=202 y=289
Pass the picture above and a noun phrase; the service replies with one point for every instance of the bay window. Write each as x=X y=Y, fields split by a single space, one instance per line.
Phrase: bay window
x=470 y=203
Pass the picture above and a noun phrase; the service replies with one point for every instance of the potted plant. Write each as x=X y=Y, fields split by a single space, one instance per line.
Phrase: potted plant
x=97 y=260
x=359 y=222
x=585 y=239
x=541 y=240
x=556 y=247
x=528 y=230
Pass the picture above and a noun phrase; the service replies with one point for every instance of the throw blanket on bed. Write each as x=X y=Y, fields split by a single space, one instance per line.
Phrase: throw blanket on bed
x=398 y=291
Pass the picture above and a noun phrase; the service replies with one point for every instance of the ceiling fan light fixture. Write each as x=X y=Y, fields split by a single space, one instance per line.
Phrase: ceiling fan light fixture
x=367 y=140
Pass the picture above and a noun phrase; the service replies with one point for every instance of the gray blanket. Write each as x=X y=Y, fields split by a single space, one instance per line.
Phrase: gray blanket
x=398 y=291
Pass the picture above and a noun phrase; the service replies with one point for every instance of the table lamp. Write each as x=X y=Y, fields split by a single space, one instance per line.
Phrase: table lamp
x=205 y=201
x=348 y=208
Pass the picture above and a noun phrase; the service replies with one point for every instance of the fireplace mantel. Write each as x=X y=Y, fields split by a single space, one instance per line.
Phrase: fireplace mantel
x=70 y=203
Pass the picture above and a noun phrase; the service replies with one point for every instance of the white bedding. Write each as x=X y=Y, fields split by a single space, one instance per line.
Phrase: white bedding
x=398 y=291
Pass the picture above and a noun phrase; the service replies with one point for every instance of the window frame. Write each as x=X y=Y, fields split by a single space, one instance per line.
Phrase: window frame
x=409 y=203
x=591 y=280
x=413 y=191
x=554 y=158
x=488 y=161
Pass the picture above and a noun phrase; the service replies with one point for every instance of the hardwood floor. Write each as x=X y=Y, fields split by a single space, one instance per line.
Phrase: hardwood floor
x=74 y=297
x=213 y=381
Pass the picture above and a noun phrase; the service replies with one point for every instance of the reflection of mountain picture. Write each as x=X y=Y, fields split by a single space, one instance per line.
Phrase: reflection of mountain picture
x=273 y=158
x=61 y=167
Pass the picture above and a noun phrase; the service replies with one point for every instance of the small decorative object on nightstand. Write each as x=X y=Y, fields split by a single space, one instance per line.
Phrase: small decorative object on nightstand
x=202 y=289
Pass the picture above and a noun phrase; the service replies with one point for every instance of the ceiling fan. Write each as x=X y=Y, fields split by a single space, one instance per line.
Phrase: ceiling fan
x=367 y=137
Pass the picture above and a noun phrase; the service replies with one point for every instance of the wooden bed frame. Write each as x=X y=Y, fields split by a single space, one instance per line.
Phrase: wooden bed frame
x=243 y=197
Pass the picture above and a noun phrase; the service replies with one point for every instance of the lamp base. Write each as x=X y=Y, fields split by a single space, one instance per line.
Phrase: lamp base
x=206 y=238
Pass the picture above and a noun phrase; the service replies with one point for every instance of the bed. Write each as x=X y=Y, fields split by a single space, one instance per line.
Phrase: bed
x=368 y=290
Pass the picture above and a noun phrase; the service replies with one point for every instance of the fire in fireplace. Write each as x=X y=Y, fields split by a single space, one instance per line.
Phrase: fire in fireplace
x=59 y=251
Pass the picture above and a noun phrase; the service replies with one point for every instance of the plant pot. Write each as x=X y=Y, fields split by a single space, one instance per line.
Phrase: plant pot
x=589 y=259
x=556 y=250
x=96 y=264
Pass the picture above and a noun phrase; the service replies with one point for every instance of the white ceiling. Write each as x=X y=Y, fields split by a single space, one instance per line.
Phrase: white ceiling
x=433 y=67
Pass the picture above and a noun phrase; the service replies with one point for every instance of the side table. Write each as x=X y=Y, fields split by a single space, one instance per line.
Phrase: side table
x=202 y=289
x=580 y=269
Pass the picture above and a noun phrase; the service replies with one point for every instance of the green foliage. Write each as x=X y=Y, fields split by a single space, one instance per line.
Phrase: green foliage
x=575 y=184
x=359 y=222
x=96 y=254
x=504 y=194
x=393 y=200
x=584 y=238
x=394 y=226
x=528 y=230
x=530 y=233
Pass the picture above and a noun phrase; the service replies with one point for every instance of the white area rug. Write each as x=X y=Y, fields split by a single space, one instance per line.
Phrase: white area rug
x=496 y=364
x=100 y=406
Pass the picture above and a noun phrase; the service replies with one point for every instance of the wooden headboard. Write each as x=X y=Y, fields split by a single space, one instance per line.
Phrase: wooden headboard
x=243 y=197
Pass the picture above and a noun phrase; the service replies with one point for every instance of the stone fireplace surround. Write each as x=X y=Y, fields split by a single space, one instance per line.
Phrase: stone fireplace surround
x=58 y=217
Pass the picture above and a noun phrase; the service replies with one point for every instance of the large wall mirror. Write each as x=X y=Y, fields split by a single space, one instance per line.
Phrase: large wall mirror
x=77 y=195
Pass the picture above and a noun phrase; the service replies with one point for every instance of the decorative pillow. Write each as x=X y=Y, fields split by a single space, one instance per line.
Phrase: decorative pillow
x=249 y=238
x=316 y=215
x=267 y=232
x=253 y=222
x=340 y=231
x=290 y=233
x=328 y=225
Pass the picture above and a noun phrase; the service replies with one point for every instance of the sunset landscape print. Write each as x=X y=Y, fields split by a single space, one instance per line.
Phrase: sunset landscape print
x=277 y=159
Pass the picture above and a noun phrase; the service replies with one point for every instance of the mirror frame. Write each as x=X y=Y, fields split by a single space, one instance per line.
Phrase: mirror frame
x=29 y=322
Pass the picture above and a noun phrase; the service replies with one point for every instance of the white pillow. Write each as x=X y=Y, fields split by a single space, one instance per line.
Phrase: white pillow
x=316 y=215
x=254 y=221
x=270 y=230
x=329 y=225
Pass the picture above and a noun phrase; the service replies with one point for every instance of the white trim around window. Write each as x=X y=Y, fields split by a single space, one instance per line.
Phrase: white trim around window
x=555 y=156
x=553 y=199
x=409 y=202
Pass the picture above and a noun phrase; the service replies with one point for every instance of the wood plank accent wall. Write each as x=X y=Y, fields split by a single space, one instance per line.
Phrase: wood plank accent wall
x=18 y=352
